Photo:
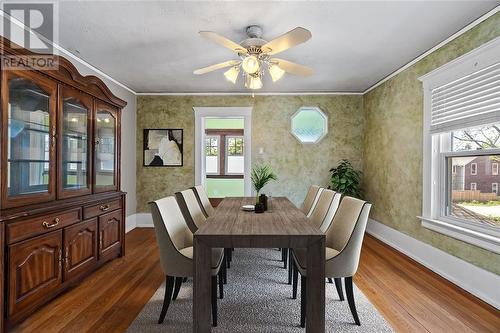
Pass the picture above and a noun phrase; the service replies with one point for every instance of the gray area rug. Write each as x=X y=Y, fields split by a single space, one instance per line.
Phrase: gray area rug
x=257 y=298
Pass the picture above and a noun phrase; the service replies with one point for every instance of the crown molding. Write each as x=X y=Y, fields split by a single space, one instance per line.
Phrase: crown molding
x=314 y=93
x=438 y=46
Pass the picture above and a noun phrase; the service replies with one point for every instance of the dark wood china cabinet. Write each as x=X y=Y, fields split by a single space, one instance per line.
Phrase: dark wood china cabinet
x=62 y=213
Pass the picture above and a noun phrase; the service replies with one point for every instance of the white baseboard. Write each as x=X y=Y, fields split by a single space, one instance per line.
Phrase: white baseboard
x=477 y=281
x=130 y=223
x=139 y=220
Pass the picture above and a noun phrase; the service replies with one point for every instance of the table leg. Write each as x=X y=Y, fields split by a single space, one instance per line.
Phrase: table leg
x=202 y=287
x=315 y=287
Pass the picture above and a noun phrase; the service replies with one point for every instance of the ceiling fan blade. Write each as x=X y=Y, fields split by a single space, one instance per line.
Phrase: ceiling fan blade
x=214 y=37
x=292 y=68
x=292 y=38
x=215 y=67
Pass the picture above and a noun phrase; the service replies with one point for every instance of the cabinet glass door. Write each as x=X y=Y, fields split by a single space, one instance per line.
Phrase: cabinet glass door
x=105 y=132
x=29 y=139
x=74 y=143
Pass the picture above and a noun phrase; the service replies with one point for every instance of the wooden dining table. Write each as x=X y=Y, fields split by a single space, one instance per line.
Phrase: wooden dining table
x=282 y=226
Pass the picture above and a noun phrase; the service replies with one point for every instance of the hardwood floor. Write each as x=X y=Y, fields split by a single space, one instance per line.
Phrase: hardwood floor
x=411 y=298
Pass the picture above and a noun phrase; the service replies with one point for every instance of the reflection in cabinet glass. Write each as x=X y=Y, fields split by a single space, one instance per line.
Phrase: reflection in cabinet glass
x=75 y=145
x=28 y=138
x=105 y=149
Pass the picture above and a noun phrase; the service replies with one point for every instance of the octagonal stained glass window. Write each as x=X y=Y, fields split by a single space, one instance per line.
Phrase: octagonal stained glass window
x=309 y=124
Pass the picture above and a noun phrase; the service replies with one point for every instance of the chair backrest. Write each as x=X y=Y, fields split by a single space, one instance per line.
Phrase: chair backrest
x=324 y=211
x=311 y=199
x=190 y=209
x=172 y=232
x=203 y=200
x=347 y=232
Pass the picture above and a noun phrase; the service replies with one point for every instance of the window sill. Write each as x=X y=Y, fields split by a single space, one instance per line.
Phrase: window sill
x=489 y=242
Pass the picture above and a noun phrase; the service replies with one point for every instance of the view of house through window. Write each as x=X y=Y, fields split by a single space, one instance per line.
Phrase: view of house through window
x=472 y=166
x=224 y=157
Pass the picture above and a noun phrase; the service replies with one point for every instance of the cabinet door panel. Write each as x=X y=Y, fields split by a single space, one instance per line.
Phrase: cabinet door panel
x=106 y=148
x=110 y=231
x=75 y=147
x=28 y=138
x=80 y=249
x=34 y=269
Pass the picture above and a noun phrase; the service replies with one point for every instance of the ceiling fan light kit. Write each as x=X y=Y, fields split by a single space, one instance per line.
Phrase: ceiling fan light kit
x=255 y=54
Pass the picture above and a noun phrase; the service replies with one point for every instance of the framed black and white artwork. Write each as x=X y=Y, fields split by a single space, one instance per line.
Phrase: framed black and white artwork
x=163 y=147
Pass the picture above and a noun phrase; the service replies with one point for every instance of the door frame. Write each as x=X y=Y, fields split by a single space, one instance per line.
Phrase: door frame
x=201 y=113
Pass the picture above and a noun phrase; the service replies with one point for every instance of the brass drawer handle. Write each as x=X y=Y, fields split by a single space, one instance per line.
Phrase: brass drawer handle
x=51 y=225
x=104 y=207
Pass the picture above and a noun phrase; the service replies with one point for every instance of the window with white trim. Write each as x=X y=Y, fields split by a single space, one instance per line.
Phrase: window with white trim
x=473 y=169
x=462 y=148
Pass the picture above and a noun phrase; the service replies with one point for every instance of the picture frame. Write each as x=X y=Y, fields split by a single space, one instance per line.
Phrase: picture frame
x=163 y=147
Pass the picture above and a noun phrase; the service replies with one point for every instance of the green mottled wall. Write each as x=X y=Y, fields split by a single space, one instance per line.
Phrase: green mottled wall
x=393 y=148
x=296 y=165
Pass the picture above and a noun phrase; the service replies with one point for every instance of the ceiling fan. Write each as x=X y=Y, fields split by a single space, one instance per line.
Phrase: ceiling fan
x=256 y=55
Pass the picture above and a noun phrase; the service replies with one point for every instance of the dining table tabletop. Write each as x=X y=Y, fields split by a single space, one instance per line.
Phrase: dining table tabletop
x=283 y=225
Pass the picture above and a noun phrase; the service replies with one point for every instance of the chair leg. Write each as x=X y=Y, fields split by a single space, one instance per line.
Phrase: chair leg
x=214 y=301
x=303 y=281
x=338 y=285
x=224 y=269
x=169 y=287
x=229 y=255
x=282 y=254
x=221 y=285
x=178 y=283
x=295 y=280
x=290 y=266
x=285 y=257
x=350 y=299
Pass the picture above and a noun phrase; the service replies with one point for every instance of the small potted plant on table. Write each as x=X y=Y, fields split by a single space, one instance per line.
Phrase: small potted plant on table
x=261 y=175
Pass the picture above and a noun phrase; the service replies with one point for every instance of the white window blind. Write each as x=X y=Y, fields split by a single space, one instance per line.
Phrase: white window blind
x=468 y=101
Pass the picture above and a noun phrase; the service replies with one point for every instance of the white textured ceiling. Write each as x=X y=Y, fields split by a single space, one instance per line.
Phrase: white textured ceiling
x=154 y=46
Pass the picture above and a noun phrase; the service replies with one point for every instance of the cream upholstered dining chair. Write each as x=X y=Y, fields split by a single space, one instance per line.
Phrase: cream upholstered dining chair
x=203 y=200
x=343 y=247
x=321 y=217
x=191 y=209
x=175 y=242
x=195 y=217
x=307 y=208
x=311 y=199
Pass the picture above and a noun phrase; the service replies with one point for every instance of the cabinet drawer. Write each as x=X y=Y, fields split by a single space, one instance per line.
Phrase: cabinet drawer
x=100 y=208
x=34 y=226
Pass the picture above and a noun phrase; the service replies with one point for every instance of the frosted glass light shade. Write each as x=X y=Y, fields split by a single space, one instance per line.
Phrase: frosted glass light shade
x=232 y=74
x=276 y=72
x=250 y=64
x=253 y=82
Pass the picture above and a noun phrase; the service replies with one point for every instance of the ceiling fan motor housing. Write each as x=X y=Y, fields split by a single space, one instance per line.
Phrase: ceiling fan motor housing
x=254 y=41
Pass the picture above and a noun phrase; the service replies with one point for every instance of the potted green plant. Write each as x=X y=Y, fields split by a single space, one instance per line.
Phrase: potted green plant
x=346 y=180
x=261 y=175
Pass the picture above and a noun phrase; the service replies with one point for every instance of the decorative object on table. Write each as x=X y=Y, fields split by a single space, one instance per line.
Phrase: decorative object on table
x=261 y=175
x=346 y=180
x=263 y=201
x=248 y=208
x=259 y=208
x=163 y=147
